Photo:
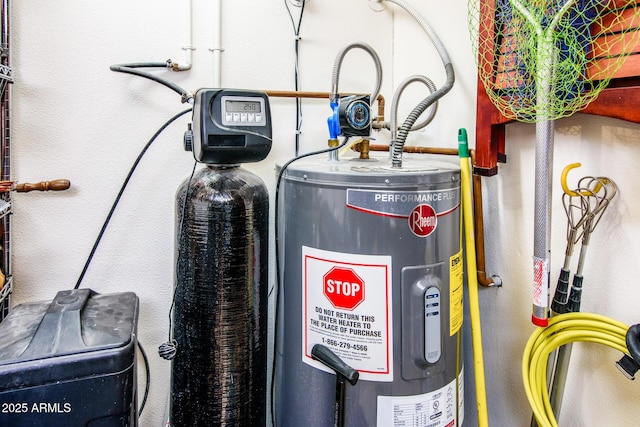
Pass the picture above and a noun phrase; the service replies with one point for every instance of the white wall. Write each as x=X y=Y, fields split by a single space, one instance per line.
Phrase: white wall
x=74 y=118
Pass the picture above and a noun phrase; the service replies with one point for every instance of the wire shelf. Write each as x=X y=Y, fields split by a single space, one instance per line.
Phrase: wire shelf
x=6 y=77
x=5 y=292
x=5 y=208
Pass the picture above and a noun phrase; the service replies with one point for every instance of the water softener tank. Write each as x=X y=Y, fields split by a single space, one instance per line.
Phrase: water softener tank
x=219 y=371
x=220 y=313
x=372 y=270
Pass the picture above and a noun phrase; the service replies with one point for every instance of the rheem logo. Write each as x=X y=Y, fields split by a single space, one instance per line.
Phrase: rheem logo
x=343 y=288
x=423 y=220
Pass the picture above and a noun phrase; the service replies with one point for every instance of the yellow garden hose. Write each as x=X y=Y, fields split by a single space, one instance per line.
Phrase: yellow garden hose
x=472 y=279
x=563 y=329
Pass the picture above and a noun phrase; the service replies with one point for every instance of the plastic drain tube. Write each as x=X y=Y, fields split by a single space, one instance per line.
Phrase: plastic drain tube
x=472 y=279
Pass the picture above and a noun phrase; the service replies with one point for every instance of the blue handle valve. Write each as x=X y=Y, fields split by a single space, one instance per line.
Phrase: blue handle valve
x=334 y=121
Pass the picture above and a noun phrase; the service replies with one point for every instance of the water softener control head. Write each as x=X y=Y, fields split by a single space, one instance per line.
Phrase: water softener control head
x=230 y=126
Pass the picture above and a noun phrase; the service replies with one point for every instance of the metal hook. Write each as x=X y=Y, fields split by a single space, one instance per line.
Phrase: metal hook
x=565 y=187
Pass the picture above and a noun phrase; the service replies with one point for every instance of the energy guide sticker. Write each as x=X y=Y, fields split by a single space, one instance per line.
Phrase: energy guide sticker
x=346 y=306
x=455 y=285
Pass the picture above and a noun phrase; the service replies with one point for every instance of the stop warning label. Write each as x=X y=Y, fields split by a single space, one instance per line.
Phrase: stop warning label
x=343 y=288
x=346 y=306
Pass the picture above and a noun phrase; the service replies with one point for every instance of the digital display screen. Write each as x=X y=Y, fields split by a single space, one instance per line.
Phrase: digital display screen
x=242 y=106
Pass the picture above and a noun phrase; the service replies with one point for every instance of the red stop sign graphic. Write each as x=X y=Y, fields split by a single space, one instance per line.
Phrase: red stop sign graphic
x=343 y=287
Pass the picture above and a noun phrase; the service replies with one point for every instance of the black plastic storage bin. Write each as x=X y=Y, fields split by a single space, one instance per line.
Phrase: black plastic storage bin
x=70 y=362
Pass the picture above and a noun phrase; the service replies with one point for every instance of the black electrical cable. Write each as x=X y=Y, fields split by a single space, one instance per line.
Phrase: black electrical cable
x=167 y=350
x=148 y=379
x=296 y=33
x=124 y=186
x=132 y=68
x=277 y=261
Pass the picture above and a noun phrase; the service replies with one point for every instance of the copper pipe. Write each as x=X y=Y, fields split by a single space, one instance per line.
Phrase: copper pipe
x=478 y=216
x=477 y=205
x=321 y=95
x=296 y=94
x=477 y=183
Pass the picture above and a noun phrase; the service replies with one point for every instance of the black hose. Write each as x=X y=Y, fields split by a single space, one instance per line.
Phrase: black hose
x=633 y=342
x=104 y=227
x=132 y=68
x=165 y=64
x=124 y=185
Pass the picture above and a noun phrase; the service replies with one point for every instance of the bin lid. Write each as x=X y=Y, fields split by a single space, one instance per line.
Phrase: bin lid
x=76 y=321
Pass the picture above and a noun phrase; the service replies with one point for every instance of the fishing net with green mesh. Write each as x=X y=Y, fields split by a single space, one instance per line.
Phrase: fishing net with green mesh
x=540 y=60
x=546 y=59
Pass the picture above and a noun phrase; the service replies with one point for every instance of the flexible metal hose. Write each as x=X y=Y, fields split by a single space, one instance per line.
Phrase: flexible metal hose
x=396 y=155
x=338 y=64
x=393 y=125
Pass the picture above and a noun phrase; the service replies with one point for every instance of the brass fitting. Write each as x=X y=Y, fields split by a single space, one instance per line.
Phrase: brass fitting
x=332 y=143
x=362 y=147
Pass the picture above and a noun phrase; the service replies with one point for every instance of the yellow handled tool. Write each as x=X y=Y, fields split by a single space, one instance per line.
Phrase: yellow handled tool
x=472 y=278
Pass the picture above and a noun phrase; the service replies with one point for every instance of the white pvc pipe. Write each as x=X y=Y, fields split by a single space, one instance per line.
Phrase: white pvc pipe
x=216 y=47
x=189 y=46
